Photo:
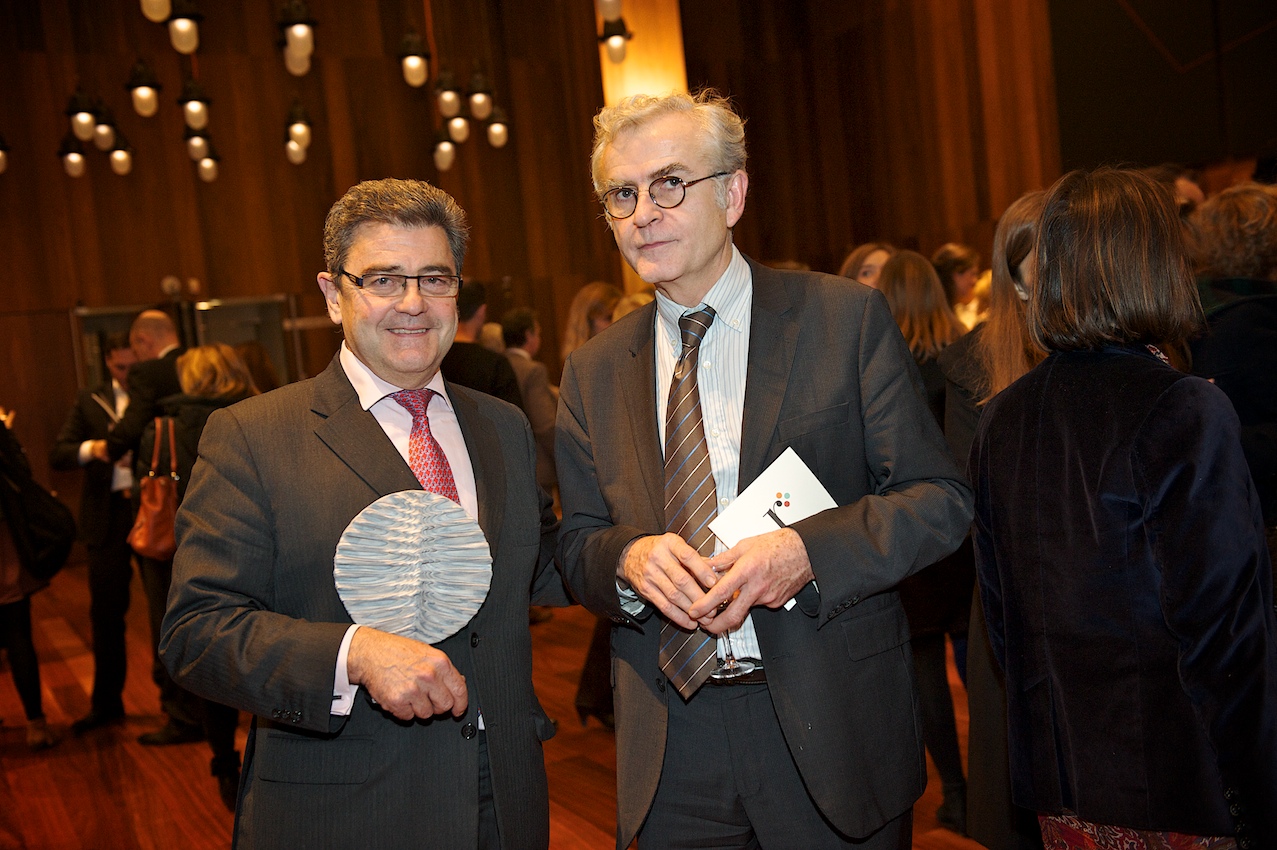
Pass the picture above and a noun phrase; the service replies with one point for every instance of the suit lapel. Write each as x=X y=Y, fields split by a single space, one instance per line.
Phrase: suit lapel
x=487 y=460
x=636 y=381
x=354 y=435
x=773 y=341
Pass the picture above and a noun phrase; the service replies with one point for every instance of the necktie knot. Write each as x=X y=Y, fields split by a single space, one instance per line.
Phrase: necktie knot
x=425 y=455
x=415 y=402
x=693 y=327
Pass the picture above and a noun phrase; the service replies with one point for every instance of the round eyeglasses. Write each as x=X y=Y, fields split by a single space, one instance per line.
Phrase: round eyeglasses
x=665 y=192
x=388 y=285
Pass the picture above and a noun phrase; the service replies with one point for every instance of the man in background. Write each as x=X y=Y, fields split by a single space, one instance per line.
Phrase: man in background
x=522 y=333
x=470 y=364
x=106 y=515
x=153 y=337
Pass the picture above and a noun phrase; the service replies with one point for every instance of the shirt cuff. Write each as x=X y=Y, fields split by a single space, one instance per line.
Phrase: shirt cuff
x=343 y=691
x=630 y=601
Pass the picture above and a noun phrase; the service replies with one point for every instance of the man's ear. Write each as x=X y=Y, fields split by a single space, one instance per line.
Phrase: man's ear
x=737 y=188
x=332 y=296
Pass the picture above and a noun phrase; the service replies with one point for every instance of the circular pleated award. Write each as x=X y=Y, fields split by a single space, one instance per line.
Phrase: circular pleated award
x=413 y=564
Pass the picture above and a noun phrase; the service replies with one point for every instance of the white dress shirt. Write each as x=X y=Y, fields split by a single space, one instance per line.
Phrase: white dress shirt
x=374 y=396
x=122 y=474
x=720 y=379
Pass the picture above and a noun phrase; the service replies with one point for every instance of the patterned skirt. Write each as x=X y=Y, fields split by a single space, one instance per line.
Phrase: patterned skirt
x=1068 y=832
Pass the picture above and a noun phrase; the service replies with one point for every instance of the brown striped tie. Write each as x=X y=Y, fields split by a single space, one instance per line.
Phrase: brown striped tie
x=687 y=658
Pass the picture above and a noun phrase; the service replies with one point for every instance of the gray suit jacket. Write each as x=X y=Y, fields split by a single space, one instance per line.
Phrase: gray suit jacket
x=540 y=404
x=255 y=621
x=829 y=375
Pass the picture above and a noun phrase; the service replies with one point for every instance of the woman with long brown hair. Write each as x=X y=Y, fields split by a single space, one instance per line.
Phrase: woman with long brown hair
x=864 y=263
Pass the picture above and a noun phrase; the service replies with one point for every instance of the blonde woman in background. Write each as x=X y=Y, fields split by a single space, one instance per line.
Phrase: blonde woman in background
x=591 y=312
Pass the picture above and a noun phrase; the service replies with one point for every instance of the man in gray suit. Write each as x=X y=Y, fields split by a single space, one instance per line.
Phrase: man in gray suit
x=521 y=330
x=364 y=738
x=820 y=746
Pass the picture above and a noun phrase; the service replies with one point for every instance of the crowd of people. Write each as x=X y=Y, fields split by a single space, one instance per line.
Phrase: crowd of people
x=1067 y=475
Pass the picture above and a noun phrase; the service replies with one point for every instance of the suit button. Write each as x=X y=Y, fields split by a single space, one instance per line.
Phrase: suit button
x=1244 y=843
x=296 y=717
x=1230 y=794
x=660 y=684
x=1235 y=809
x=468 y=731
x=855 y=599
x=277 y=714
x=474 y=639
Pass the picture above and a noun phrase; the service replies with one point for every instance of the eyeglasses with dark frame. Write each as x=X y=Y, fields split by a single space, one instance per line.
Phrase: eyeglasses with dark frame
x=391 y=285
x=666 y=192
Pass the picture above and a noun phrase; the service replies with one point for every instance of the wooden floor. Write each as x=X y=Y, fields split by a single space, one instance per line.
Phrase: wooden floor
x=104 y=791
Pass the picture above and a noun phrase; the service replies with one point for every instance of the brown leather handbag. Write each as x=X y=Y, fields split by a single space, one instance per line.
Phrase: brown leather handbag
x=153 y=535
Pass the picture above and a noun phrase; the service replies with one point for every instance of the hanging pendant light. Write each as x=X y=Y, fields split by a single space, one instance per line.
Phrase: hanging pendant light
x=197 y=144
x=448 y=95
x=184 y=27
x=104 y=130
x=609 y=10
x=207 y=167
x=414 y=59
x=121 y=155
x=458 y=129
x=72 y=154
x=144 y=88
x=4 y=155
x=614 y=37
x=299 y=134
x=157 y=11
x=80 y=111
x=480 y=96
x=445 y=153
x=194 y=105
x=498 y=128
x=299 y=36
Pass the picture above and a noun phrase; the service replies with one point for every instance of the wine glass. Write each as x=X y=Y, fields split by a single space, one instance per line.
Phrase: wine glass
x=731 y=666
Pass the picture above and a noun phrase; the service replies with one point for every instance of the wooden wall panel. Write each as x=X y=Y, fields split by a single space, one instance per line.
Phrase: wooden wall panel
x=915 y=121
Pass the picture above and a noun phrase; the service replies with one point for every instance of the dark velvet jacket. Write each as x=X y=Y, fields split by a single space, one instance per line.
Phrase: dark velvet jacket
x=1123 y=571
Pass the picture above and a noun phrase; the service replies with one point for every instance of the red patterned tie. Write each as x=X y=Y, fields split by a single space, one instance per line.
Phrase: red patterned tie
x=425 y=455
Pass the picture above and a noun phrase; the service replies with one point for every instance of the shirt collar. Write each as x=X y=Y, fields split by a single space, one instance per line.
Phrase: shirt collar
x=165 y=350
x=729 y=296
x=372 y=389
x=518 y=352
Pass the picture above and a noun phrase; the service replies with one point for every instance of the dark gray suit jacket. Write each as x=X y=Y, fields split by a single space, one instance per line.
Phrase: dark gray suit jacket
x=829 y=375
x=255 y=621
x=88 y=420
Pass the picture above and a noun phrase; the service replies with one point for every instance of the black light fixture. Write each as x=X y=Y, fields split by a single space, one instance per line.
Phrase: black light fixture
x=194 y=103
x=80 y=111
x=197 y=144
x=71 y=152
x=415 y=59
x=299 y=134
x=184 y=26
x=4 y=155
x=614 y=37
x=104 y=129
x=498 y=128
x=299 y=36
x=144 y=87
x=121 y=155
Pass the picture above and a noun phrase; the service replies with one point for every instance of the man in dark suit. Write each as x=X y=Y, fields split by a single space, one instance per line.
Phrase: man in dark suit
x=364 y=738
x=106 y=515
x=820 y=746
x=153 y=337
x=470 y=364
x=521 y=331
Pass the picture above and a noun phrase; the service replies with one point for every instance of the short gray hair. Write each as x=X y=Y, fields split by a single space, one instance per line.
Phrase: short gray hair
x=402 y=203
x=724 y=130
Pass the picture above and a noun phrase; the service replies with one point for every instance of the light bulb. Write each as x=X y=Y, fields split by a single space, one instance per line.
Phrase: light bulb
x=196 y=112
x=121 y=162
x=184 y=34
x=445 y=155
x=449 y=103
x=82 y=124
x=498 y=135
x=145 y=101
x=300 y=39
x=208 y=169
x=103 y=137
x=197 y=148
x=295 y=152
x=297 y=64
x=414 y=71
x=458 y=129
x=74 y=164
x=299 y=132
x=157 y=11
x=616 y=49
x=4 y=160
x=481 y=105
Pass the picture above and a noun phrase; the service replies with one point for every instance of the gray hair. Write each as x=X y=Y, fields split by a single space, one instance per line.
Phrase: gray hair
x=723 y=129
x=402 y=203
